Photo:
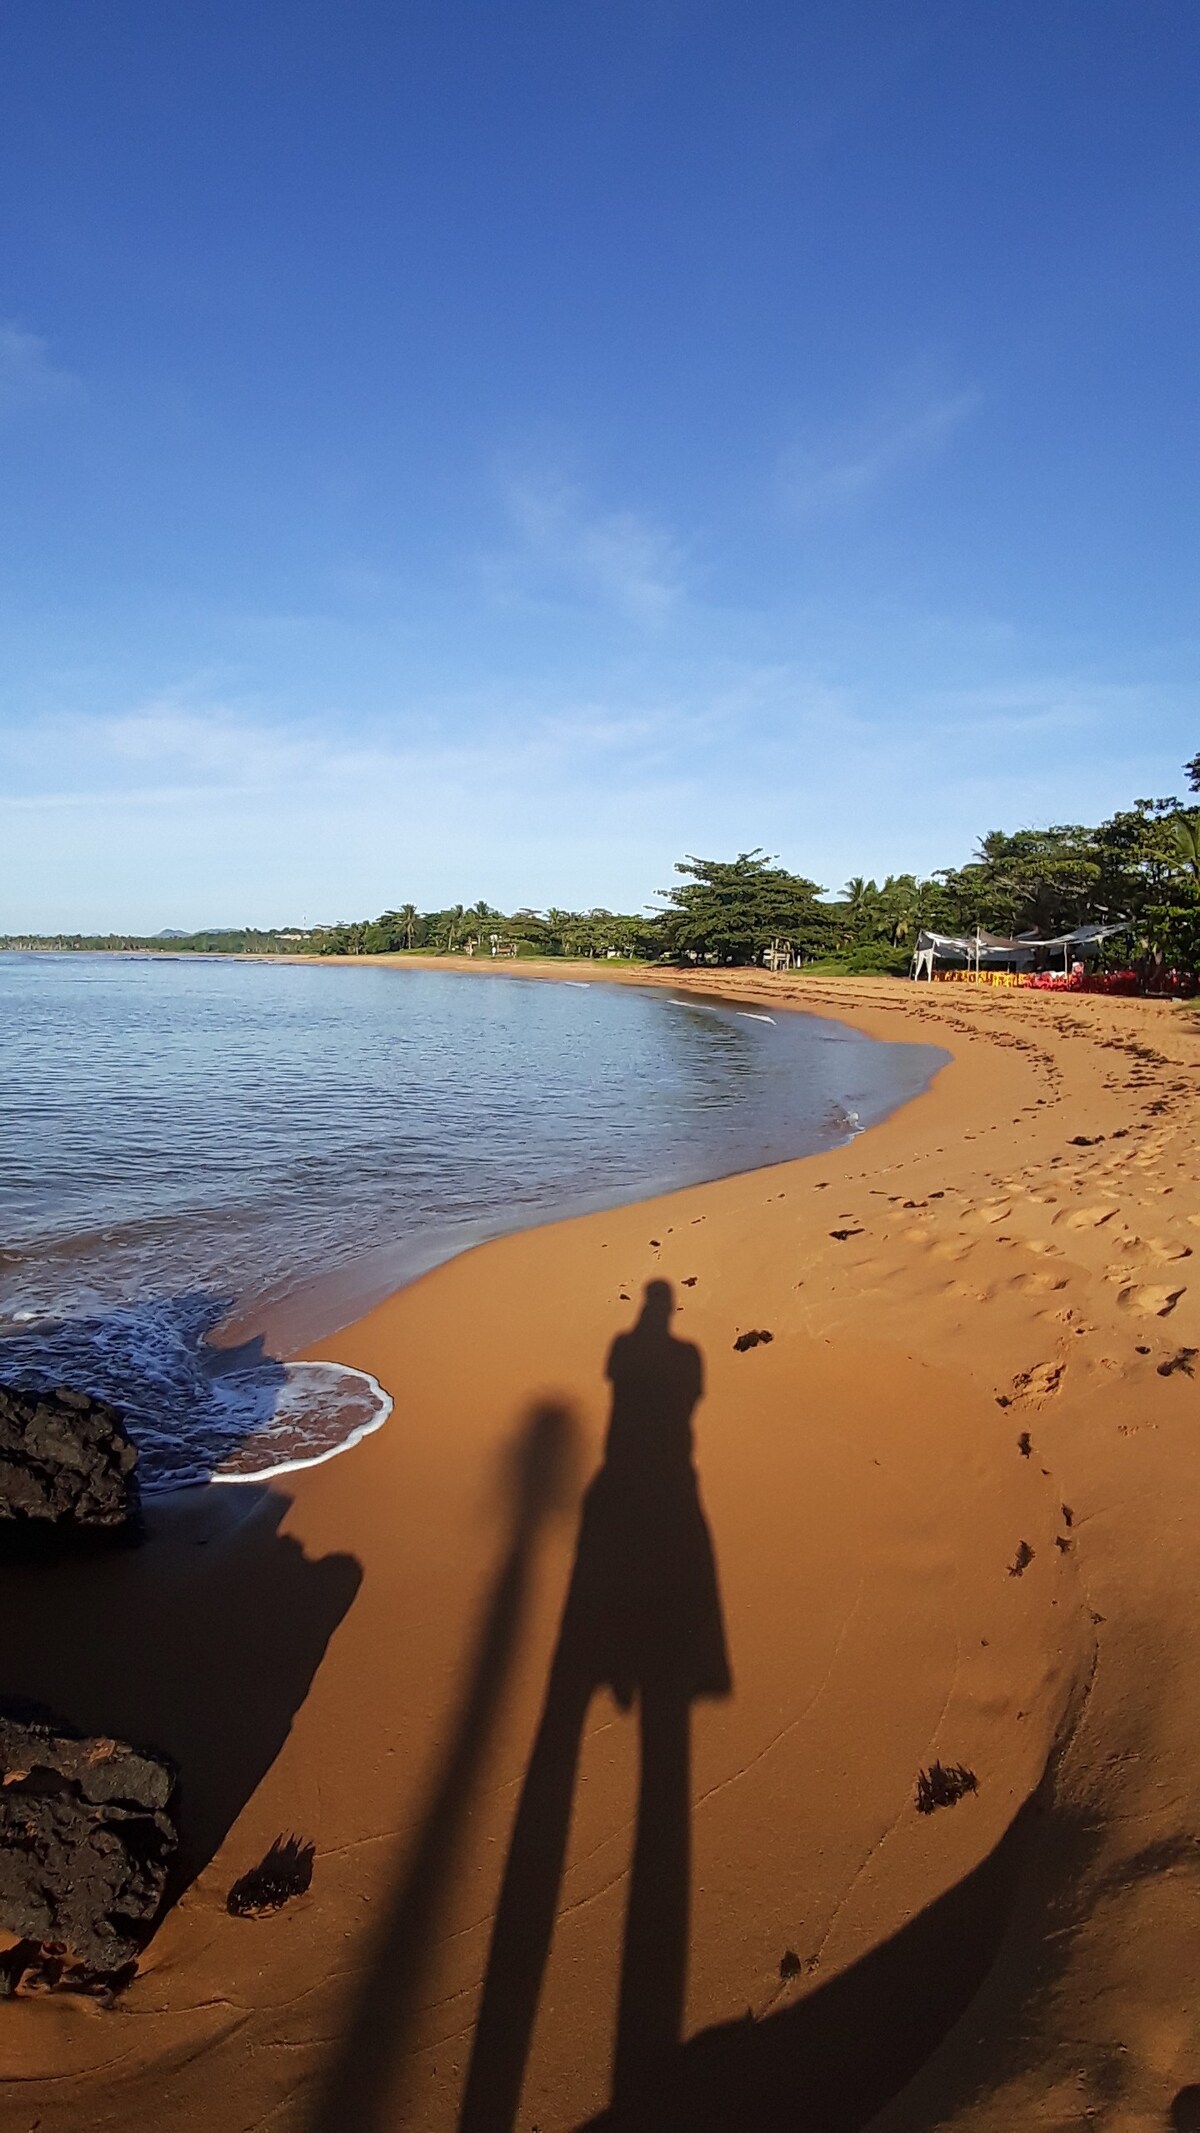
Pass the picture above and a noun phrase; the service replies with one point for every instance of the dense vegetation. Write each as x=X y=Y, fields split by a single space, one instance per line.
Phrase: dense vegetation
x=228 y=940
x=1143 y=865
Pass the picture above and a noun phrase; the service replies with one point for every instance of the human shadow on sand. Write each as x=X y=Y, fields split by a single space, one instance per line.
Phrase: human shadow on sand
x=643 y=1619
x=361 y=2085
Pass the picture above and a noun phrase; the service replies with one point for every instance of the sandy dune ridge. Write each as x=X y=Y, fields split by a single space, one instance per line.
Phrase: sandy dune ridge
x=951 y=1506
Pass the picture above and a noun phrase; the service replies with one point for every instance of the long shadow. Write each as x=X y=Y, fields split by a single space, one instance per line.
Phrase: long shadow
x=361 y=2087
x=202 y=1643
x=830 y=2061
x=643 y=1619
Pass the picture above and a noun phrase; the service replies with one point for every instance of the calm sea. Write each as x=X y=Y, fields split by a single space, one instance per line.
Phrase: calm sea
x=187 y=1143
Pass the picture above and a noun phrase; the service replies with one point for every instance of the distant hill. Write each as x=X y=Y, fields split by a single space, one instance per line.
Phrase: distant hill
x=218 y=940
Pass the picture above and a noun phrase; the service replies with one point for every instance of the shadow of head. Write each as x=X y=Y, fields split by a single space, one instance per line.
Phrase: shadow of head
x=658 y=1307
x=1185 y=2110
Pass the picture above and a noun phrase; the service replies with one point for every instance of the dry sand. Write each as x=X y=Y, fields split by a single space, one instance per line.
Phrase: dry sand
x=977 y=1312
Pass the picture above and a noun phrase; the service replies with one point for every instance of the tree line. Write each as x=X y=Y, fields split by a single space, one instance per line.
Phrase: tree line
x=1142 y=865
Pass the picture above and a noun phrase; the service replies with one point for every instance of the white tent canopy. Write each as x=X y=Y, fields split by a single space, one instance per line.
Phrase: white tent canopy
x=992 y=951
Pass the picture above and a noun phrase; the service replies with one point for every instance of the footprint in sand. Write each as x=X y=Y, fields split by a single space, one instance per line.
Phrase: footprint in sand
x=1150 y=1302
x=1039 y=1382
x=1084 y=1217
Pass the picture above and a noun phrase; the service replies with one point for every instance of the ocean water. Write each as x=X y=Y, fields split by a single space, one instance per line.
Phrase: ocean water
x=187 y=1146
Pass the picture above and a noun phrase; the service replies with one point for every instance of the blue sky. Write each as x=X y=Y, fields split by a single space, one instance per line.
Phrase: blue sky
x=456 y=450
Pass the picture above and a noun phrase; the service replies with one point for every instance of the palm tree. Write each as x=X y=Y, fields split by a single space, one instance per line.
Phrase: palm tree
x=563 y=927
x=407 y=915
x=898 y=900
x=862 y=903
x=1187 y=840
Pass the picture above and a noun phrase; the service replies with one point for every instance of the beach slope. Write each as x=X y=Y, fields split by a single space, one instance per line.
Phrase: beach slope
x=505 y=1669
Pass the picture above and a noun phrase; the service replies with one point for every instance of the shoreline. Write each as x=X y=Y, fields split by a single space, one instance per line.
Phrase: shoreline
x=338 y=1299
x=987 y=1263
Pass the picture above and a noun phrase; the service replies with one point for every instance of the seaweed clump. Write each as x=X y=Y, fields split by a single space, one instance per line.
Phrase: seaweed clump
x=285 y=1872
x=944 y=1785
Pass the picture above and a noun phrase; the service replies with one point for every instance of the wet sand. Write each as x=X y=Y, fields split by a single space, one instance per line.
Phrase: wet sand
x=947 y=1514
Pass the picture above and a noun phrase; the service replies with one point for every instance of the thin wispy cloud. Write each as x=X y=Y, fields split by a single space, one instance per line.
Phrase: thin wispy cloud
x=846 y=466
x=190 y=815
x=164 y=749
x=1037 y=709
x=186 y=810
x=620 y=559
x=28 y=376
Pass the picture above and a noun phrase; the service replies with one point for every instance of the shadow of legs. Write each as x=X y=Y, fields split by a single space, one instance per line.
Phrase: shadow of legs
x=360 y=2090
x=654 y=1963
x=525 y=1912
x=654 y=1960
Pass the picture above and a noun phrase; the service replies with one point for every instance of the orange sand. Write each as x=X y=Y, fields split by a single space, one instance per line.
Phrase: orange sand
x=360 y=1654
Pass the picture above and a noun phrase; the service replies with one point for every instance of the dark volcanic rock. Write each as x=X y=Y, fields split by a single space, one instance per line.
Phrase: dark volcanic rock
x=86 y=1841
x=68 y=1471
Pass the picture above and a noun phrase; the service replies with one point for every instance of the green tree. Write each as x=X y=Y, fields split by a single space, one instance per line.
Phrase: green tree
x=1172 y=931
x=1192 y=770
x=1186 y=827
x=447 y=927
x=897 y=909
x=859 y=896
x=564 y=932
x=862 y=909
x=385 y=934
x=1031 y=880
x=728 y=911
x=479 y=919
x=1137 y=853
x=530 y=927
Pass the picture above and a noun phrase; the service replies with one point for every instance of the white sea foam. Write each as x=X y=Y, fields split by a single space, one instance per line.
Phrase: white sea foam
x=197 y=1412
x=313 y=1419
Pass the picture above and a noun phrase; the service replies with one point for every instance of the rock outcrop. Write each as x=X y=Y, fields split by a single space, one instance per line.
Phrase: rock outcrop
x=68 y=1471
x=86 y=1841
